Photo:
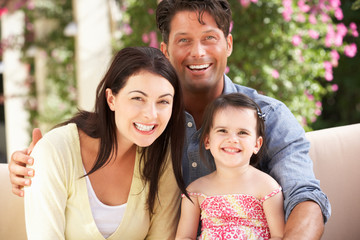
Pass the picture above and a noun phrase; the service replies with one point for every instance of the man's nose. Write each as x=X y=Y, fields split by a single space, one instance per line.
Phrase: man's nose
x=197 y=49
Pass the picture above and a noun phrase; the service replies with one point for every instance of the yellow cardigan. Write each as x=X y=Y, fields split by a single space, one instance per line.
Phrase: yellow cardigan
x=57 y=204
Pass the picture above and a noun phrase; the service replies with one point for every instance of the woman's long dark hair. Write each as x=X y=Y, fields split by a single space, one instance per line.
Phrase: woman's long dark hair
x=101 y=123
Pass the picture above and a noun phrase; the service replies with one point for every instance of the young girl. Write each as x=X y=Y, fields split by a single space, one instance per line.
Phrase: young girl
x=236 y=201
x=112 y=173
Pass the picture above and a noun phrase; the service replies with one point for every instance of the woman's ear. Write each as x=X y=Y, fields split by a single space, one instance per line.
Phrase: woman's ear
x=258 y=144
x=110 y=99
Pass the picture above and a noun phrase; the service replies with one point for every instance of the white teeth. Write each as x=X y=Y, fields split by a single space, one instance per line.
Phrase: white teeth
x=231 y=150
x=144 y=128
x=196 y=67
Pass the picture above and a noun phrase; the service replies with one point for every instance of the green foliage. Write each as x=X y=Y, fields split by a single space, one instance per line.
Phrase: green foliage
x=59 y=93
x=264 y=56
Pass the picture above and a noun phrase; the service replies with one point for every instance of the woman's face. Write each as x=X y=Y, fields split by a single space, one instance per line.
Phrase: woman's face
x=142 y=108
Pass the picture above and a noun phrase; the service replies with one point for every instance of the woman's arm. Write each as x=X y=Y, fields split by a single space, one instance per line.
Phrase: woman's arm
x=189 y=218
x=164 y=221
x=45 y=200
x=274 y=212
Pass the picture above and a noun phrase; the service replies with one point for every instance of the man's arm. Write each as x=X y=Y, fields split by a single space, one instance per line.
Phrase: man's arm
x=305 y=222
x=17 y=166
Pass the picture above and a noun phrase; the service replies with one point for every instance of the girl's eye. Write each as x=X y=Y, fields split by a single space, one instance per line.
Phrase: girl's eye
x=242 y=133
x=221 y=130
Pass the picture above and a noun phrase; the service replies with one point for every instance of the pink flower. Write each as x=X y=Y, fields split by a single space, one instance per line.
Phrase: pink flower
x=327 y=66
x=244 y=3
x=3 y=11
x=338 y=40
x=151 y=11
x=296 y=40
x=254 y=1
x=341 y=29
x=339 y=14
x=312 y=19
x=231 y=26
x=275 y=74
x=350 y=50
x=329 y=76
x=303 y=7
x=334 y=58
x=145 y=38
x=153 y=40
x=300 y=18
x=353 y=28
x=325 y=18
x=334 y=87
x=127 y=29
x=227 y=69
x=313 y=34
x=317 y=112
x=318 y=104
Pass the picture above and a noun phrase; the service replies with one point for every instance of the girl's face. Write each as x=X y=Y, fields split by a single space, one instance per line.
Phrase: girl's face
x=232 y=139
x=142 y=108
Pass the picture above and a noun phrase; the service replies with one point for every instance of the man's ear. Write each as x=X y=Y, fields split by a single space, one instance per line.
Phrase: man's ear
x=110 y=99
x=164 y=49
x=229 y=40
x=258 y=144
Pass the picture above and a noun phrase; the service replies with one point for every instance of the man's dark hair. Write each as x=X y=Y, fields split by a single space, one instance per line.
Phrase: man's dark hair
x=218 y=9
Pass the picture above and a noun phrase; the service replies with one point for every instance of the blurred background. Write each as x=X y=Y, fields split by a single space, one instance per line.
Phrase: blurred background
x=53 y=53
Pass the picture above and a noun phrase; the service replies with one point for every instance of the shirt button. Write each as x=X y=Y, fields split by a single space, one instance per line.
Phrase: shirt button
x=189 y=124
x=194 y=164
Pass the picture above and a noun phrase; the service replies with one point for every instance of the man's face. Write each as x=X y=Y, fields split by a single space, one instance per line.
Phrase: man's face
x=198 y=52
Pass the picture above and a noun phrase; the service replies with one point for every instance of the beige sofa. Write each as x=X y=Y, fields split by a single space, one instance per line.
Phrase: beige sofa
x=336 y=156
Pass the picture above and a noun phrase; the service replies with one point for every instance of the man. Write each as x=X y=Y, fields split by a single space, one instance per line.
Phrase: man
x=197 y=42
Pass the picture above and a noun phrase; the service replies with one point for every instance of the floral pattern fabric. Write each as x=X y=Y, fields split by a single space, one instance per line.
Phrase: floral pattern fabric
x=234 y=216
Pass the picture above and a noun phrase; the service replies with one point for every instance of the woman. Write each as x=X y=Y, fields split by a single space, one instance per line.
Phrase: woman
x=107 y=174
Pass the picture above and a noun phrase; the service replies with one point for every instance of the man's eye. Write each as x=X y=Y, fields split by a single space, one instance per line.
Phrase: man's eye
x=210 y=37
x=182 y=40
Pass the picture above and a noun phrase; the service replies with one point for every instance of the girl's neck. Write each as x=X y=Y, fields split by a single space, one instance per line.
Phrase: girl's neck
x=230 y=174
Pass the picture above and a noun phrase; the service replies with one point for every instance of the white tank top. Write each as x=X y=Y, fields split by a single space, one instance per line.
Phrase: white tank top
x=107 y=218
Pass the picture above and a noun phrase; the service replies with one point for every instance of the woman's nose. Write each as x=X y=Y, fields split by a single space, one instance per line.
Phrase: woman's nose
x=150 y=111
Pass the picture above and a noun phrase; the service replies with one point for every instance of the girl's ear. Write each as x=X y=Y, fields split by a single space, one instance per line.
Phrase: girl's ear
x=207 y=142
x=258 y=144
x=110 y=99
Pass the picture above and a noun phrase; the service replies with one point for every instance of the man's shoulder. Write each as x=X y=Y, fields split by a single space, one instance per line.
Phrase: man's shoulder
x=262 y=100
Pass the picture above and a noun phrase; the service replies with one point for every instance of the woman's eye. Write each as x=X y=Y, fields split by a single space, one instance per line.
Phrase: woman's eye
x=164 y=102
x=137 y=98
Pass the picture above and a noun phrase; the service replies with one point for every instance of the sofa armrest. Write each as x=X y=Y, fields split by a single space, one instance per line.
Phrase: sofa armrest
x=336 y=156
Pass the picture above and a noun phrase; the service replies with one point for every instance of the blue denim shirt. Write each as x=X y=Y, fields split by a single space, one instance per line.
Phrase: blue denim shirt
x=287 y=158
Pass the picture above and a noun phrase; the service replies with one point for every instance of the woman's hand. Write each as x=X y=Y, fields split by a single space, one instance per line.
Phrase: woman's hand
x=17 y=166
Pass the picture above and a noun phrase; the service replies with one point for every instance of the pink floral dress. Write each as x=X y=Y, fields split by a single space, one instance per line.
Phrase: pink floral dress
x=234 y=216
